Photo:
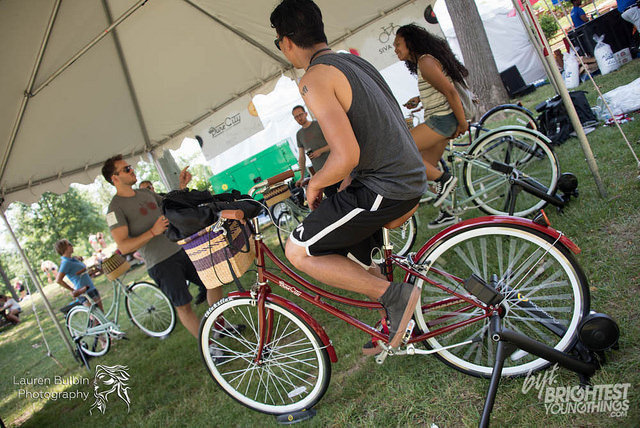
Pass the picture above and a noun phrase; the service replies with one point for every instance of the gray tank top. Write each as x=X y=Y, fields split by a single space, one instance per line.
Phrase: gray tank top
x=390 y=163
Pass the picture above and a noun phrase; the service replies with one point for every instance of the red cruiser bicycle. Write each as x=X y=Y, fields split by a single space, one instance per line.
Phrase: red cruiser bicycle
x=479 y=278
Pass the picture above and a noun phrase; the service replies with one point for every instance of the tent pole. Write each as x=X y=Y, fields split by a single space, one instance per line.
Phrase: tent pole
x=36 y=281
x=536 y=46
x=163 y=175
x=566 y=98
x=92 y=43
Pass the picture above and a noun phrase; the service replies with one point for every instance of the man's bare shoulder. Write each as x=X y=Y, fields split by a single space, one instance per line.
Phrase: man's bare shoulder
x=320 y=76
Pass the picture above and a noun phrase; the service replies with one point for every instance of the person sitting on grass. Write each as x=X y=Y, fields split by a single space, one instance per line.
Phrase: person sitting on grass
x=11 y=307
x=76 y=270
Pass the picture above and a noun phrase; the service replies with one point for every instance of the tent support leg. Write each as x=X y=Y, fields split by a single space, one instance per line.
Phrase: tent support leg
x=36 y=281
x=564 y=95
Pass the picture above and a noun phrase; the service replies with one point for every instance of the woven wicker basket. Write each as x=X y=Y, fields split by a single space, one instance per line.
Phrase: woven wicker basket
x=209 y=251
x=115 y=266
x=276 y=194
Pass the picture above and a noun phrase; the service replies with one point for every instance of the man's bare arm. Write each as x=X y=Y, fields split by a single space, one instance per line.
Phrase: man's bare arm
x=327 y=93
x=127 y=244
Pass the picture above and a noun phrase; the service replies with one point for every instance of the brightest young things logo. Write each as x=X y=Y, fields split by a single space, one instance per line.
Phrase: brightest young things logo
x=604 y=398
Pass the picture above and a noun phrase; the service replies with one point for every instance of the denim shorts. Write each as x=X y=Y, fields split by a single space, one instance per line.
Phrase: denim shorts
x=444 y=125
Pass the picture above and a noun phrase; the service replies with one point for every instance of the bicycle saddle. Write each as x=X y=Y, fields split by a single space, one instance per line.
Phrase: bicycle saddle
x=400 y=220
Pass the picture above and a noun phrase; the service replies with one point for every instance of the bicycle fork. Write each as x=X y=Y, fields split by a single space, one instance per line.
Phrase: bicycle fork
x=265 y=323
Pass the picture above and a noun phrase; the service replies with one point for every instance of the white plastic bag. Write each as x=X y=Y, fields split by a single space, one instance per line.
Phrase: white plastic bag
x=571 y=70
x=607 y=62
x=623 y=99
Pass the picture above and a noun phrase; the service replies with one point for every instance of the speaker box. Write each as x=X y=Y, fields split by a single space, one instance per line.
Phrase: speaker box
x=514 y=83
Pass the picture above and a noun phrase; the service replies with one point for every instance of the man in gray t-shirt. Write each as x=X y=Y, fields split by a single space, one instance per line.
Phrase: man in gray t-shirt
x=311 y=143
x=136 y=223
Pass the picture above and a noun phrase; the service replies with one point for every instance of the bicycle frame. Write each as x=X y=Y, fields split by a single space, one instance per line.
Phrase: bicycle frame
x=314 y=294
x=104 y=318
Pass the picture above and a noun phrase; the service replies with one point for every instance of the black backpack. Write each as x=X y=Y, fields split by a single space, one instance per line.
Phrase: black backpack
x=554 y=121
x=190 y=211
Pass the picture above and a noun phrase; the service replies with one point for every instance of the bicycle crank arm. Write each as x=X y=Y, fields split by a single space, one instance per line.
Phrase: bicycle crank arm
x=411 y=349
x=536 y=191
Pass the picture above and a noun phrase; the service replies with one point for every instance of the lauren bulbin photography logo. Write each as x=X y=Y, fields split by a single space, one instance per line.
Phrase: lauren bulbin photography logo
x=110 y=381
x=559 y=399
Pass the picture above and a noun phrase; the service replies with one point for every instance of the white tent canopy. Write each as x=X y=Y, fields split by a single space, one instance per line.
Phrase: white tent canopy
x=82 y=80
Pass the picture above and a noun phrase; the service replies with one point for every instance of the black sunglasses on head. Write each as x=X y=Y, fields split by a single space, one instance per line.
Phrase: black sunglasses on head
x=127 y=169
x=279 y=39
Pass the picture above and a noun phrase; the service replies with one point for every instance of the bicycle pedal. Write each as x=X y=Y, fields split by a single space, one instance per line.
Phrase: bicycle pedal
x=382 y=355
x=408 y=332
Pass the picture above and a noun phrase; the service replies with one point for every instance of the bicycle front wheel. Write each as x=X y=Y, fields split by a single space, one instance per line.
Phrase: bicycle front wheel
x=525 y=150
x=150 y=310
x=82 y=324
x=404 y=237
x=294 y=369
x=506 y=115
x=288 y=220
x=546 y=295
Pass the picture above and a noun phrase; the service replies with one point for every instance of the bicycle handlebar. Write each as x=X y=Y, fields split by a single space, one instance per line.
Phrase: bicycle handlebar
x=280 y=177
x=271 y=181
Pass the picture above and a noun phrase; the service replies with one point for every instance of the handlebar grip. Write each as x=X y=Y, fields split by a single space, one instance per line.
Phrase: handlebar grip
x=232 y=214
x=280 y=177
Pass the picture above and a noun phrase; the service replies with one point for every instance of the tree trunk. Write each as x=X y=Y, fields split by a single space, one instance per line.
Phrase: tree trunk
x=7 y=282
x=484 y=78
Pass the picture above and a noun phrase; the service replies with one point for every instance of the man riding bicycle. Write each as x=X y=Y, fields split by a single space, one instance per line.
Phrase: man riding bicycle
x=370 y=147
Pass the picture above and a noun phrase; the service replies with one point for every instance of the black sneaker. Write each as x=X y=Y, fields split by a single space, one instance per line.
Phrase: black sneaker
x=444 y=185
x=399 y=301
x=443 y=219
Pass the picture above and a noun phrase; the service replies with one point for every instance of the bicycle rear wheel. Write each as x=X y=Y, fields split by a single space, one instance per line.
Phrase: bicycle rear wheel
x=79 y=320
x=150 y=310
x=546 y=295
x=525 y=150
x=506 y=115
x=293 y=372
x=404 y=237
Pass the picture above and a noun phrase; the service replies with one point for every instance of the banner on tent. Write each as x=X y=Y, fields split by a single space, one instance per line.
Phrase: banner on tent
x=375 y=43
x=227 y=127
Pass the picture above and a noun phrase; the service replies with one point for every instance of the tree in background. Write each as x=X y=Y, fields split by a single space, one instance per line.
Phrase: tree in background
x=484 y=78
x=71 y=215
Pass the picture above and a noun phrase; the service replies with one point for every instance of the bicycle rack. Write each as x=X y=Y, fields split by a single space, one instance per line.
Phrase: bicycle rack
x=594 y=336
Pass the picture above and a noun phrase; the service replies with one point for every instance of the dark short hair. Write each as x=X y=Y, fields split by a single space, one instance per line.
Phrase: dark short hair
x=109 y=167
x=300 y=20
x=298 y=106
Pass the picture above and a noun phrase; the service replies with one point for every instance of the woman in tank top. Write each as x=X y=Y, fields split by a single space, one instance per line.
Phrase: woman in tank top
x=430 y=58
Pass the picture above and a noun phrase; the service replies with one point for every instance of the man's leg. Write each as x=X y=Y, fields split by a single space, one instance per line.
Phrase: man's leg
x=189 y=319
x=337 y=271
x=13 y=316
x=350 y=223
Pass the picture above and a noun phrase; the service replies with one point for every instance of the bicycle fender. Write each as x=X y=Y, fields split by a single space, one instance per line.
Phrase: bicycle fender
x=297 y=310
x=496 y=221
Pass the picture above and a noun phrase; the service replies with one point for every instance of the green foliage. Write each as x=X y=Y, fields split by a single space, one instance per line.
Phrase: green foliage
x=38 y=226
x=549 y=25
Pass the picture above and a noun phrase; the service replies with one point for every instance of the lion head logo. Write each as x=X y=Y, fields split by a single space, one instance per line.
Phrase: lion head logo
x=109 y=379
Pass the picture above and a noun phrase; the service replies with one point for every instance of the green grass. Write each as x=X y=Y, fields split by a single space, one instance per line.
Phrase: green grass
x=170 y=386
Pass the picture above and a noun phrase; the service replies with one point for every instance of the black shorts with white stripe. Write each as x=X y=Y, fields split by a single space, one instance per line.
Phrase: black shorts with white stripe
x=349 y=223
